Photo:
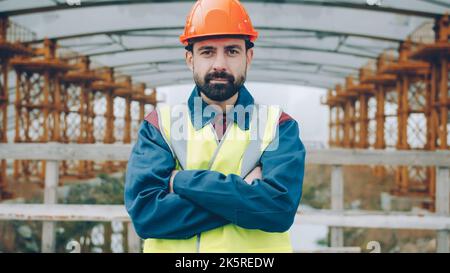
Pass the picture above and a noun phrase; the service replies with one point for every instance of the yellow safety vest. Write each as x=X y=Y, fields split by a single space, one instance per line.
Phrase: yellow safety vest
x=237 y=153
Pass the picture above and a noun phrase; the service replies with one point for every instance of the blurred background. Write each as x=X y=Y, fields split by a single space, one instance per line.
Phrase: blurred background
x=368 y=78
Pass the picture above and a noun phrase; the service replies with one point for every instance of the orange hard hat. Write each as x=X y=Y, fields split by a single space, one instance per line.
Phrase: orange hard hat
x=217 y=17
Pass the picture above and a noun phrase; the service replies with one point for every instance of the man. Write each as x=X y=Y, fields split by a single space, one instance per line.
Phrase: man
x=208 y=179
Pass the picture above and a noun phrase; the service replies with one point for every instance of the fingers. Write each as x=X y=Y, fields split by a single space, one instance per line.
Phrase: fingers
x=171 y=181
x=256 y=173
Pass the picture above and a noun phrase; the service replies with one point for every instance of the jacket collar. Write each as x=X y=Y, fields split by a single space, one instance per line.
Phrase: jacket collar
x=201 y=118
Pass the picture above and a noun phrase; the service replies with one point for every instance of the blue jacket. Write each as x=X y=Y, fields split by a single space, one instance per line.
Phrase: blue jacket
x=204 y=199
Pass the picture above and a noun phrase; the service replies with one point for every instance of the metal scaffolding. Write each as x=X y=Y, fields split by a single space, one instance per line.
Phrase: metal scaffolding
x=410 y=94
x=39 y=105
x=11 y=36
x=78 y=104
x=59 y=97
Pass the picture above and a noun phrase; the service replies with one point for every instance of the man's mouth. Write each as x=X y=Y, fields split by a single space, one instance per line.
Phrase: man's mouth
x=219 y=80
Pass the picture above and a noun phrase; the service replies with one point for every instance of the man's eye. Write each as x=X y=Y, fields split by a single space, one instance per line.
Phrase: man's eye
x=233 y=52
x=206 y=53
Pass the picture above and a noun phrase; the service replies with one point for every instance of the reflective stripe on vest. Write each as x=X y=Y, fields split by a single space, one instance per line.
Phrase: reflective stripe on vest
x=238 y=153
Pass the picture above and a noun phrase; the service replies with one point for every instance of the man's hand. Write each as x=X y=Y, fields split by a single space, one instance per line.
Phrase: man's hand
x=256 y=173
x=171 y=180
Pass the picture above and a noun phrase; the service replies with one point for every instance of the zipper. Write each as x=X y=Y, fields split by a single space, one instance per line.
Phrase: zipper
x=198 y=242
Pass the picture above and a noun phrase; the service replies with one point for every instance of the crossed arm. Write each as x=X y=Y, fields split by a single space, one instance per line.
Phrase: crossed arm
x=254 y=174
x=201 y=200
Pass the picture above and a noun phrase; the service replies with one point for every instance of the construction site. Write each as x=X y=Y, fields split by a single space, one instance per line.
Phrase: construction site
x=78 y=78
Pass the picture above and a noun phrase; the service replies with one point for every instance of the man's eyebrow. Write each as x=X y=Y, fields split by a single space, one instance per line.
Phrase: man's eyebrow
x=213 y=48
x=206 y=48
x=233 y=46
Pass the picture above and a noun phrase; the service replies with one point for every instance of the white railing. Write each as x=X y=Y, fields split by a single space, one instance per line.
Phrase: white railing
x=337 y=218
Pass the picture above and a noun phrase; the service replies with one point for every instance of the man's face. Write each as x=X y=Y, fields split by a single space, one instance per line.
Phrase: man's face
x=219 y=66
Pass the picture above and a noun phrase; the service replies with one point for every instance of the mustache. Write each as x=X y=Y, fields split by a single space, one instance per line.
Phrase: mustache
x=216 y=75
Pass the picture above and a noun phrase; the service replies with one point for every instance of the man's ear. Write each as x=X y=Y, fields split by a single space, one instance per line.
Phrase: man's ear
x=189 y=60
x=249 y=58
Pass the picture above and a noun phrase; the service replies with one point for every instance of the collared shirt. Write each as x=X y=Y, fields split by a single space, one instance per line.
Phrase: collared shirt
x=220 y=126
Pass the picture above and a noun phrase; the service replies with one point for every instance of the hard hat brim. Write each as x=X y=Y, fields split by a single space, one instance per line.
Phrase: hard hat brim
x=185 y=40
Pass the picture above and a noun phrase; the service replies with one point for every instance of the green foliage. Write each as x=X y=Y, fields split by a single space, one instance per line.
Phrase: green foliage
x=316 y=191
x=26 y=236
x=322 y=242
x=109 y=191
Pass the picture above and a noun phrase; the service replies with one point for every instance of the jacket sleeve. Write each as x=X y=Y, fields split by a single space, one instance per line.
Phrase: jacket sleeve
x=154 y=211
x=270 y=203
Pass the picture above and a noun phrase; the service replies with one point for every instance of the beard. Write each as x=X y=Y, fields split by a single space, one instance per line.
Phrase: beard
x=219 y=91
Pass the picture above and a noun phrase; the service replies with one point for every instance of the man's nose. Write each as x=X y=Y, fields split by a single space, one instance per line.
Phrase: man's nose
x=220 y=63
